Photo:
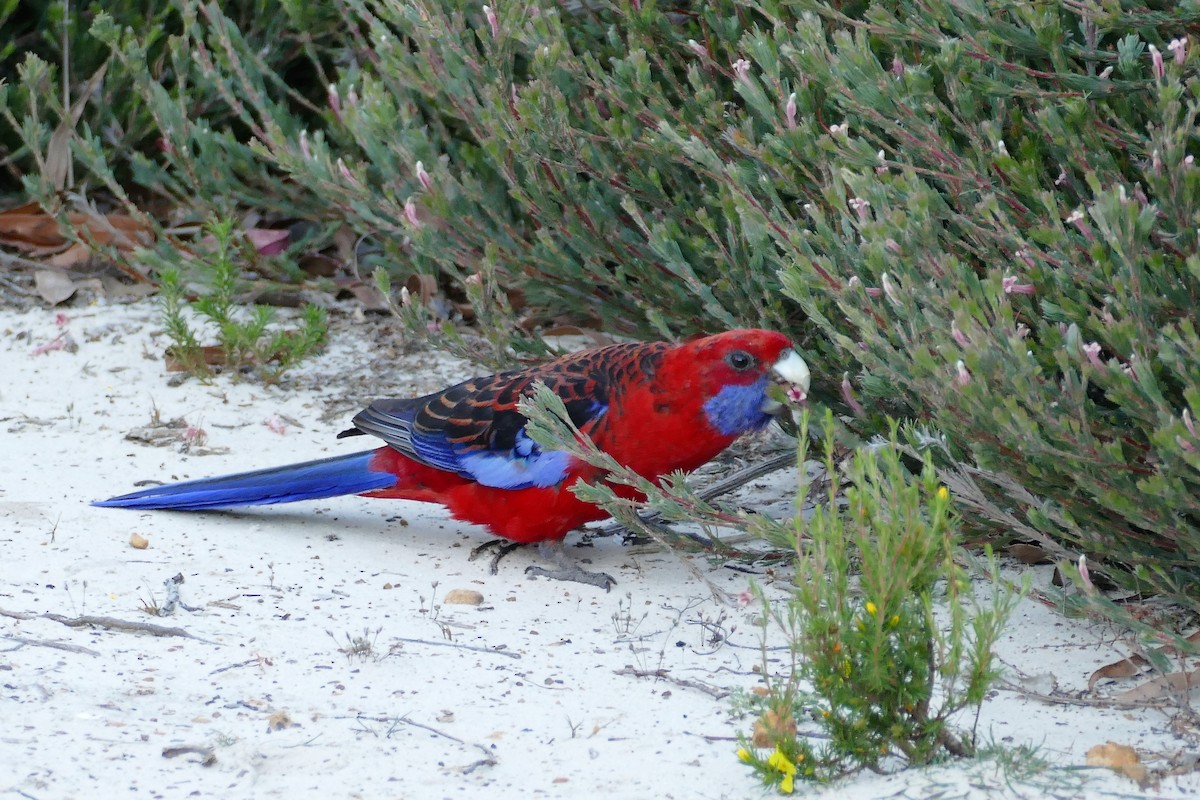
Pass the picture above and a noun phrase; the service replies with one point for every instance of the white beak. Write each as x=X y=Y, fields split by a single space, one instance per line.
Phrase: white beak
x=793 y=373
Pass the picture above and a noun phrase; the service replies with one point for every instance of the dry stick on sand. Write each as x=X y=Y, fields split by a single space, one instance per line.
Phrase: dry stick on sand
x=472 y=648
x=715 y=692
x=70 y=648
x=488 y=760
x=112 y=623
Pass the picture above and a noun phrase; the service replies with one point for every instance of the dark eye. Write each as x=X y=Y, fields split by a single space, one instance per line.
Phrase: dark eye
x=740 y=360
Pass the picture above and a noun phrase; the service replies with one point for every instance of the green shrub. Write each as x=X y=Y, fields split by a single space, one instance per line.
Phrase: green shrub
x=887 y=640
x=975 y=216
x=247 y=341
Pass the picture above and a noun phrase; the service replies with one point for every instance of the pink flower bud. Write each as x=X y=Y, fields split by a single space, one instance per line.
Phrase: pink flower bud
x=741 y=70
x=1010 y=285
x=1106 y=73
x=335 y=101
x=1022 y=330
x=492 y=21
x=892 y=245
x=1092 y=351
x=860 y=207
x=405 y=296
x=962 y=376
x=958 y=336
x=1184 y=444
x=1179 y=48
x=893 y=294
x=345 y=172
x=897 y=66
x=423 y=176
x=1156 y=62
x=1085 y=576
x=848 y=396
x=854 y=281
x=1187 y=422
x=304 y=151
x=410 y=214
x=789 y=111
x=1077 y=219
x=352 y=98
x=874 y=291
x=698 y=48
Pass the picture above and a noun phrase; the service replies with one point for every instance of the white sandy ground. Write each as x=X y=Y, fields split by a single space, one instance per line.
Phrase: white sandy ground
x=518 y=697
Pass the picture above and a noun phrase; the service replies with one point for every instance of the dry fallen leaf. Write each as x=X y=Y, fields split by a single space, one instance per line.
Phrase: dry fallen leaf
x=1125 y=668
x=462 y=597
x=1135 y=664
x=54 y=287
x=138 y=542
x=1029 y=553
x=31 y=230
x=1164 y=687
x=1118 y=757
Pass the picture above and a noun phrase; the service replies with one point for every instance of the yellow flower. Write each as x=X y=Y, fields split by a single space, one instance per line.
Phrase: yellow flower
x=943 y=493
x=787 y=784
x=895 y=620
x=744 y=754
x=781 y=762
x=872 y=608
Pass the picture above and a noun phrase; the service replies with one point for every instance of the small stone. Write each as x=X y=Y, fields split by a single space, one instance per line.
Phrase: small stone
x=138 y=542
x=462 y=597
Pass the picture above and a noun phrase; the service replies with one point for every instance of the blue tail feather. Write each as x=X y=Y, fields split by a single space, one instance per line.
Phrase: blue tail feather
x=311 y=480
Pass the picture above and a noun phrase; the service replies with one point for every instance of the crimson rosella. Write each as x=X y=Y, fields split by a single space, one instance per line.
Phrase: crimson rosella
x=655 y=407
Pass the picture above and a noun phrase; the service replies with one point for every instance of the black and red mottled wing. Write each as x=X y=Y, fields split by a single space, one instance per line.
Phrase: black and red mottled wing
x=474 y=429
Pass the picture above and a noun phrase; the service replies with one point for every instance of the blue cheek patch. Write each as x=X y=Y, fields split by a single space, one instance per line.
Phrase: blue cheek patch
x=738 y=409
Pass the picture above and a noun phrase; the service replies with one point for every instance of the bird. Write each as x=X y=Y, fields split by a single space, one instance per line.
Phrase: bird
x=655 y=407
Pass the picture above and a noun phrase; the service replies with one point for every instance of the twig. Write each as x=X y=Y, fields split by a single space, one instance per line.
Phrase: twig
x=112 y=623
x=71 y=648
x=207 y=756
x=1066 y=700
x=715 y=692
x=714 y=490
x=245 y=663
x=488 y=760
x=460 y=646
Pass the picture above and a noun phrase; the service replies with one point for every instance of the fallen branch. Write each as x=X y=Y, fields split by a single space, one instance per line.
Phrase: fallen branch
x=70 y=648
x=716 y=692
x=488 y=760
x=460 y=646
x=1069 y=700
x=111 y=623
x=714 y=490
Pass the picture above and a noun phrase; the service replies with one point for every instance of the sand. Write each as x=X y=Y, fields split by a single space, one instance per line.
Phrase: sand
x=313 y=653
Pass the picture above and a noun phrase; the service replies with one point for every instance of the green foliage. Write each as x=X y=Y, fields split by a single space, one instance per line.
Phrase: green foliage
x=978 y=216
x=248 y=341
x=888 y=640
x=49 y=53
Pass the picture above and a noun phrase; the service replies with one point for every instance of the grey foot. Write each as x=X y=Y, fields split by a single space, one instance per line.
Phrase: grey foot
x=566 y=569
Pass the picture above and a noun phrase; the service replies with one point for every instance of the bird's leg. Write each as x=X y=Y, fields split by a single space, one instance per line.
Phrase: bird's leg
x=502 y=549
x=566 y=567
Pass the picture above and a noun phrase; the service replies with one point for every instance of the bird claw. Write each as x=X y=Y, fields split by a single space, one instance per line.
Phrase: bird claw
x=566 y=568
x=577 y=574
x=502 y=549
